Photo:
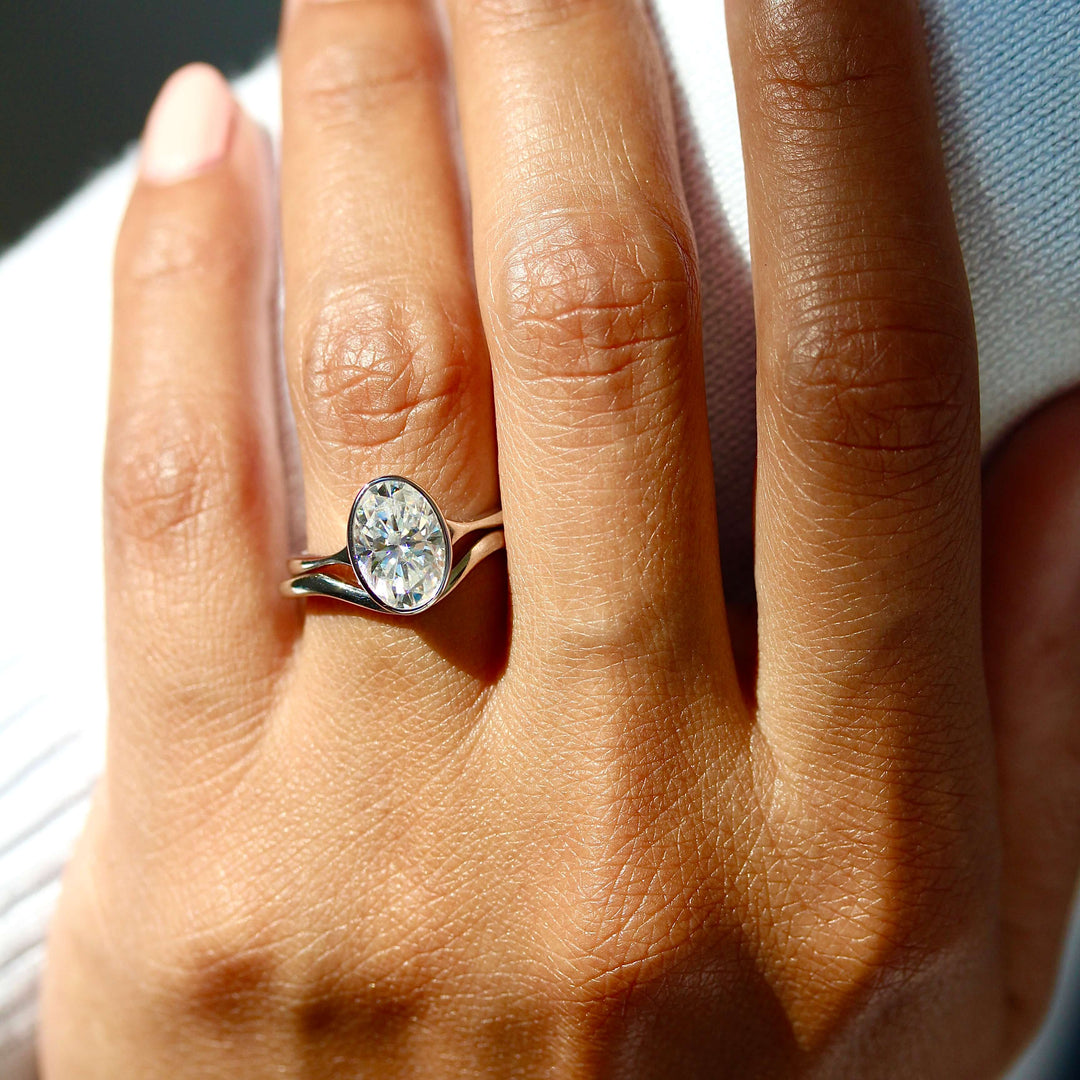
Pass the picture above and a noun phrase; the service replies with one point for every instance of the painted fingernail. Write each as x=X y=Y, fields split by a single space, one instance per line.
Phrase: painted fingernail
x=189 y=127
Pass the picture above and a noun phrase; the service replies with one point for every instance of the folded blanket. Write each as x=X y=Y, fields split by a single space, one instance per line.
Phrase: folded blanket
x=1009 y=92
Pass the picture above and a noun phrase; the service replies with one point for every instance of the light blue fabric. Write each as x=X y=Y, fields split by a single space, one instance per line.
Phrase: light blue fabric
x=1008 y=79
x=1008 y=72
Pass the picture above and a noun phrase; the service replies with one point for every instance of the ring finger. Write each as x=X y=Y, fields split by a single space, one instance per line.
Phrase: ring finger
x=386 y=358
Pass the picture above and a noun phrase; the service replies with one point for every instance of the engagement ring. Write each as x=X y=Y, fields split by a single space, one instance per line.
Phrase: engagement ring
x=400 y=549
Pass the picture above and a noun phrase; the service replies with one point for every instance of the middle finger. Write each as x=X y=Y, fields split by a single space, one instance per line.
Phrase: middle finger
x=586 y=271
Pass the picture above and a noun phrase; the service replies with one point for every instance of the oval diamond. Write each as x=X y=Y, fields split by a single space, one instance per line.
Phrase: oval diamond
x=398 y=544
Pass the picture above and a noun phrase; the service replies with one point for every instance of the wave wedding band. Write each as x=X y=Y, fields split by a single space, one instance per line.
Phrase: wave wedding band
x=399 y=548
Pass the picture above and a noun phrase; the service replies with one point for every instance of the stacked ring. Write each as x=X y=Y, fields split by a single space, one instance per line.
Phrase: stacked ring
x=399 y=548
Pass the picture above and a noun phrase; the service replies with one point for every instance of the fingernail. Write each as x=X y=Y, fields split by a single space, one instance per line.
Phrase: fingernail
x=189 y=127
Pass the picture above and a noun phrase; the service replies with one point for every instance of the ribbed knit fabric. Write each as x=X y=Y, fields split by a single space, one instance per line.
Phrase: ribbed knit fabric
x=1009 y=90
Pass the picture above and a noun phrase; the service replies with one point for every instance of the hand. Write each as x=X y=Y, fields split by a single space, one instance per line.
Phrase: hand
x=554 y=837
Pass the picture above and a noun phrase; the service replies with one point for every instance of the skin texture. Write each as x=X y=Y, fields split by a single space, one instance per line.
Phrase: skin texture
x=543 y=830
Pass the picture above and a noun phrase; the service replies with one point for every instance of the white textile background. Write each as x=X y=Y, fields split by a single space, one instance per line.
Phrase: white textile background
x=1009 y=89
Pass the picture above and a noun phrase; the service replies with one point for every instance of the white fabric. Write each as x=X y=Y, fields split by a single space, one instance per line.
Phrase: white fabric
x=1010 y=106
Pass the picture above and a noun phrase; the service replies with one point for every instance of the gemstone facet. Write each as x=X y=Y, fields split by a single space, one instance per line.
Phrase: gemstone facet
x=398 y=544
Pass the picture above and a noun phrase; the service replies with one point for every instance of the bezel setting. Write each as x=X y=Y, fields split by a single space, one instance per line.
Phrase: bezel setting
x=343 y=575
x=360 y=556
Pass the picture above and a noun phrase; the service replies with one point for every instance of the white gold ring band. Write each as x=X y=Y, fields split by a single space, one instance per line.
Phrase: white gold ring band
x=399 y=549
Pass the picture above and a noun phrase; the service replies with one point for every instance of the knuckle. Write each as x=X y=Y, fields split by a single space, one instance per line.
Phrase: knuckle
x=381 y=50
x=334 y=1018
x=169 y=475
x=866 y=390
x=229 y=983
x=365 y=1017
x=376 y=368
x=815 y=65
x=510 y=15
x=610 y=637
x=231 y=973
x=604 y=642
x=195 y=236
x=587 y=296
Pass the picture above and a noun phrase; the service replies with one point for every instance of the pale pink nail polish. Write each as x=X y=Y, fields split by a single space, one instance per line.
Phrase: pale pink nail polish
x=189 y=127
